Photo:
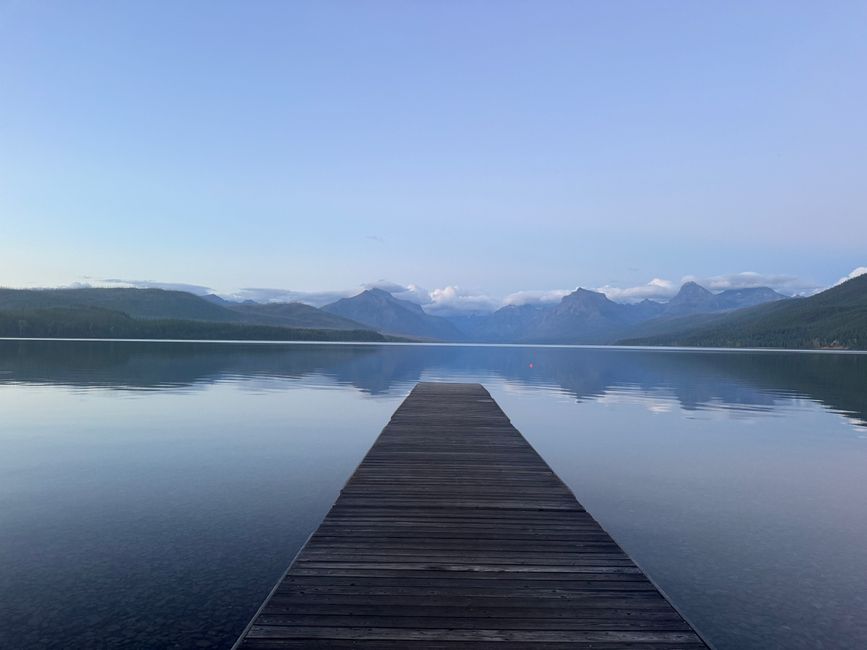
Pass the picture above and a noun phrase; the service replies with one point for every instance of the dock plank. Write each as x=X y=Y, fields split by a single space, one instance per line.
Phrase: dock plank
x=453 y=532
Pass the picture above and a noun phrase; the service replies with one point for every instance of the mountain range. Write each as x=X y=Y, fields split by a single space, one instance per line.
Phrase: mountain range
x=757 y=316
x=585 y=316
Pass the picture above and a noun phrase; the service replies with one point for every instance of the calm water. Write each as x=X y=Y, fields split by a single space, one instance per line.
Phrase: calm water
x=152 y=493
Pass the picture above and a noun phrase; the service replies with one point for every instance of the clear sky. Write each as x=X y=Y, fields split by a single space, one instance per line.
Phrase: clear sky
x=494 y=146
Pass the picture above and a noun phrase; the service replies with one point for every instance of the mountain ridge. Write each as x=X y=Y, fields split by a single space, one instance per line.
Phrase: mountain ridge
x=383 y=312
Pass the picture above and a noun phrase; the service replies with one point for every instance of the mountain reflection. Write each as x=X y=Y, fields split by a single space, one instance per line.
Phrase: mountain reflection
x=696 y=379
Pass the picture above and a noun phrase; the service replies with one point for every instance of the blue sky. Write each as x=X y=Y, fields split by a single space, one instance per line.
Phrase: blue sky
x=498 y=147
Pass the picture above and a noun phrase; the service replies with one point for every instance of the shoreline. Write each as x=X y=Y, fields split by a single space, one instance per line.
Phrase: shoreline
x=578 y=346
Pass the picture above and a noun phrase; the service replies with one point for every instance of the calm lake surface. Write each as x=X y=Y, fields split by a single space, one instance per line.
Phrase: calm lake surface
x=151 y=494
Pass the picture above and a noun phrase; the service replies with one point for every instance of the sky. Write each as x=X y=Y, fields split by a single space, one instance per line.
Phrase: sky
x=467 y=153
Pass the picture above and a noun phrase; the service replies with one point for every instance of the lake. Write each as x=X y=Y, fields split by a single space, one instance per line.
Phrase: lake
x=151 y=493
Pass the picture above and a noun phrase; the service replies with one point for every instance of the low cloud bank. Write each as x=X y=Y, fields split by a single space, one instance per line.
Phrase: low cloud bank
x=661 y=289
x=410 y=292
x=656 y=289
x=264 y=294
x=197 y=289
x=453 y=299
x=536 y=297
x=446 y=301
x=749 y=279
x=861 y=270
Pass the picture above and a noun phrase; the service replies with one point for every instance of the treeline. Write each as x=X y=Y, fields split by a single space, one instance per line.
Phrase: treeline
x=797 y=338
x=96 y=323
x=799 y=323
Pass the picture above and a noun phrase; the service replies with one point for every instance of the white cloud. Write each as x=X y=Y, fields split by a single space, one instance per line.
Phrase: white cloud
x=661 y=289
x=454 y=300
x=861 y=270
x=198 y=289
x=416 y=294
x=445 y=301
x=84 y=285
x=410 y=292
x=656 y=289
x=386 y=285
x=788 y=284
x=315 y=298
x=536 y=297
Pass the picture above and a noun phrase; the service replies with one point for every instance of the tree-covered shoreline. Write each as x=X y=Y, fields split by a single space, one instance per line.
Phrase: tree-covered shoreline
x=92 y=322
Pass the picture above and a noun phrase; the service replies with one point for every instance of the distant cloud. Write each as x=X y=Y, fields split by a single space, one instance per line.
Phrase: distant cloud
x=536 y=297
x=454 y=300
x=411 y=292
x=749 y=279
x=375 y=238
x=656 y=289
x=198 y=289
x=445 y=301
x=81 y=285
x=861 y=270
x=661 y=289
x=320 y=298
x=261 y=294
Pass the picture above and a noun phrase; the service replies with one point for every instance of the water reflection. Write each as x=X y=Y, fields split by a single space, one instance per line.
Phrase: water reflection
x=696 y=379
x=151 y=493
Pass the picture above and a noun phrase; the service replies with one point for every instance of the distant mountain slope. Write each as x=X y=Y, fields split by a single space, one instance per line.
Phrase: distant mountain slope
x=647 y=309
x=508 y=324
x=138 y=303
x=293 y=314
x=176 y=305
x=94 y=322
x=382 y=311
x=834 y=318
x=666 y=325
x=695 y=299
x=740 y=298
x=691 y=299
x=583 y=316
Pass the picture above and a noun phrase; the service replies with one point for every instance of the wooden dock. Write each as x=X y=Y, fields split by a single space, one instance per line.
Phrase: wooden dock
x=452 y=533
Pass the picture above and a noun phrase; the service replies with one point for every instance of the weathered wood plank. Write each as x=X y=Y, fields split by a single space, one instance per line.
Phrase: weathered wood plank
x=451 y=634
x=453 y=532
